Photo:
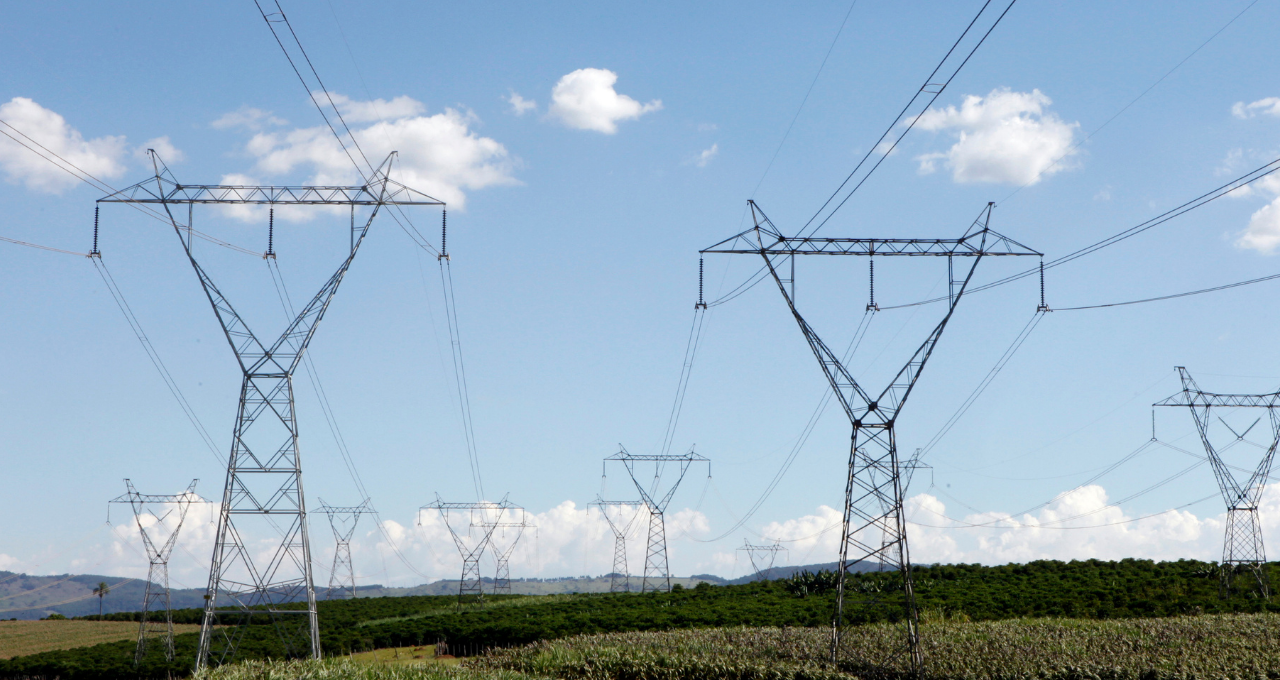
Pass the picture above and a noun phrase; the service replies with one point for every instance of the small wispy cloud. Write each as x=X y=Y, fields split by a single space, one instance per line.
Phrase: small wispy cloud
x=1268 y=106
x=520 y=105
x=247 y=118
x=706 y=156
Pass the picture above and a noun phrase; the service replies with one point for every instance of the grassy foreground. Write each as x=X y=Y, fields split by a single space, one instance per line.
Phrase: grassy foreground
x=350 y=669
x=1202 y=647
x=1211 y=647
x=31 y=637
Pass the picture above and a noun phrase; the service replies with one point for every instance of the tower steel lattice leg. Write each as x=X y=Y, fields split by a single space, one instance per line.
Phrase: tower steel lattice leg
x=1242 y=550
x=342 y=579
x=502 y=577
x=152 y=627
x=656 y=575
x=620 y=579
x=471 y=583
x=263 y=492
x=874 y=530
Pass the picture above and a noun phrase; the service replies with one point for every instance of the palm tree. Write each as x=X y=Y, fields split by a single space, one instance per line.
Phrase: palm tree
x=101 y=591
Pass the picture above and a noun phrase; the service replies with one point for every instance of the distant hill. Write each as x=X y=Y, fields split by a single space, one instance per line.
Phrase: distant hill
x=25 y=597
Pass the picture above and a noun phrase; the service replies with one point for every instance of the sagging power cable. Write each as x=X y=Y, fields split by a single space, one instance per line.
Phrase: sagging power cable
x=863 y=325
x=1197 y=202
x=985 y=383
x=929 y=87
x=686 y=368
x=154 y=356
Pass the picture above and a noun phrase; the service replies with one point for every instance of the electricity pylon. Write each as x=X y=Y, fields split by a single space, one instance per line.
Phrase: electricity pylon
x=1242 y=548
x=620 y=577
x=874 y=526
x=762 y=554
x=657 y=575
x=159 y=535
x=263 y=495
x=342 y=579
x=502 y=549
x=469 y=546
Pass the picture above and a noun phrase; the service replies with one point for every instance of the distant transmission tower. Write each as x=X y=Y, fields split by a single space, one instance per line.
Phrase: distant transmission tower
x=343 y=522
x=159 y=535
x=762 y=555
x=263 y=496
x=515 y=519
x=657 y=575
x=1242 y=548
x=482 y=518
x=874 y=527
x=620 y=577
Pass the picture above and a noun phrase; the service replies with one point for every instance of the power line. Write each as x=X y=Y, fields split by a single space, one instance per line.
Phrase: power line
x=36 y=245
x=1173 y=296
x=986 y=381
x=805 y=100
x=924 y=89
x=154 y=356
x=1126 y=107
x=80 y=174
x=1197 y=202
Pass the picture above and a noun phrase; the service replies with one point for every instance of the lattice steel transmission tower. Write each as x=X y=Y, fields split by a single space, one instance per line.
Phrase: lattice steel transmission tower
x=263 y=495
x=1242 y=549
x=159 y=535
x=342 y=579
x=874 y=527
x=620 y=577
x=516 y=520
x=657 y=575
x=484 y=516
x=762 y=554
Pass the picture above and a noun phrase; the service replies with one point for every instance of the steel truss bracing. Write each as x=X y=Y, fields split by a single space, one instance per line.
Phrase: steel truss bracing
x=342 y=579
x=515 y=519
x=159 y=535
x=263 y=495
x=484 y=516
x=1242 y=549
x=657 y=574
x=762 y=555
x=874 y=528
x=620 y=577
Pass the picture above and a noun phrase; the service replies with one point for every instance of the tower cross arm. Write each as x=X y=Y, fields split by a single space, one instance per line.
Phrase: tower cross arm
x=171 y=192
x=1207 y=399
x=773 y=244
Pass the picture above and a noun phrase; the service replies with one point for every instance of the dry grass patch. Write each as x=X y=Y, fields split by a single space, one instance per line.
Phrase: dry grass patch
x=404 y=655
x=19 y=638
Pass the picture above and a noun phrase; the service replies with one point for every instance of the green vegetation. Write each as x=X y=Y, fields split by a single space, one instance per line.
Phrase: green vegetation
x=347 y=669
x=1129 y=589
x=1206 y=647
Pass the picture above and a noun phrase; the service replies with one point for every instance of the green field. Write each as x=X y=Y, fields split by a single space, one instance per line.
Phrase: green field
x=18 y=638
x=1070 y=596
x=1178 y=648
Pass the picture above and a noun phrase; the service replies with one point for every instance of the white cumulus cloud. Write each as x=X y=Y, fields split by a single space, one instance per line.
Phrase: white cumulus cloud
x=1263 y=231
x=1268 y=106
x=1005 y=137
x=520 y=105
x=585 y=100
x=367 y=112
x=1080 y=524
x=439 y=154
x=100 y=157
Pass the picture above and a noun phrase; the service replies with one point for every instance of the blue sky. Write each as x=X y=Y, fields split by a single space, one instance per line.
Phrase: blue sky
x=588 y=152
